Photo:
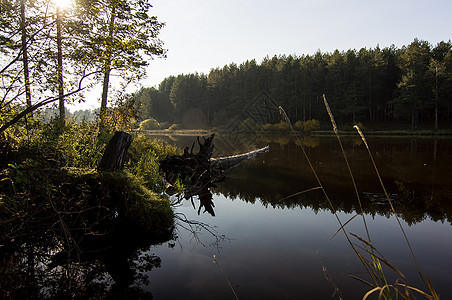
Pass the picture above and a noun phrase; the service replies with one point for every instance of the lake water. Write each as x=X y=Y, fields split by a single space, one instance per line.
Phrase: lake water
x=272 y=229
x=273 y=247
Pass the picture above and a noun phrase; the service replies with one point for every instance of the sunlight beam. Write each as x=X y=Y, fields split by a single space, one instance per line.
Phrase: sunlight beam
x=63 y=4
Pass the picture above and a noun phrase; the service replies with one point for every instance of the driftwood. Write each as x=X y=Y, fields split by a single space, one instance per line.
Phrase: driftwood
x=225 y=163
x=199 y=172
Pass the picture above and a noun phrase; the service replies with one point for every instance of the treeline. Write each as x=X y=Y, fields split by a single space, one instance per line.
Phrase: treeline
x=406 y=87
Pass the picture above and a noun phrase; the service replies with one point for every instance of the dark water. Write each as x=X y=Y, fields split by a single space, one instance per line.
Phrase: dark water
x=269 y=245
x=276 y=247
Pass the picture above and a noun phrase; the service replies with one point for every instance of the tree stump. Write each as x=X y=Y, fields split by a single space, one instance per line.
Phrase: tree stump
x=115 y=152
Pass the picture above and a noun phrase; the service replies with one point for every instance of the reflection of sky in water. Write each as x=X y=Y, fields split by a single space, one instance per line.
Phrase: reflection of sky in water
x=271 y=254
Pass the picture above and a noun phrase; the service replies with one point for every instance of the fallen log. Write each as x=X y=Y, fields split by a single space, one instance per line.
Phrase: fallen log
x=199 y=171
x=225 y=163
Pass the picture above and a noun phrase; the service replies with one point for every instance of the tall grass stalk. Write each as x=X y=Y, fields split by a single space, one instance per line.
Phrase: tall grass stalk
x=373 y=265
x=336 y=132
x=366 y=265
x=425 y=280
x=225 y=277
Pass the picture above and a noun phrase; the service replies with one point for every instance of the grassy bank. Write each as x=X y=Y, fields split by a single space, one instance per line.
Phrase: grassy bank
x=49 y=183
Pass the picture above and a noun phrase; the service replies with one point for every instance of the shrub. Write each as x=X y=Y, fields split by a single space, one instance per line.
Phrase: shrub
x=248 y=125
x=267 y=127
x=165 y=125
x=299 y=125
x=282 y=126
x=311 y=125
x=150 y=124
x=144 y=154
x=175 y=127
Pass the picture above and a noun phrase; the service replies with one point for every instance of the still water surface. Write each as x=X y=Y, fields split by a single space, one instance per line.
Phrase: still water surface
x=267 y=243
x=272 y=247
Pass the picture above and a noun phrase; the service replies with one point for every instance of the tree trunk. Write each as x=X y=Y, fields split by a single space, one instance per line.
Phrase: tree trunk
x=436 y=98
x=103 y=103
x=60 y=69
x=414 y=116
x=115 y=153
x=25 y=53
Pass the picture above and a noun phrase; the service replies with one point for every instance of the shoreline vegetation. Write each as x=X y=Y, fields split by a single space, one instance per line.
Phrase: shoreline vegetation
x=386 y=133
x=50 y=176
x=388 y=88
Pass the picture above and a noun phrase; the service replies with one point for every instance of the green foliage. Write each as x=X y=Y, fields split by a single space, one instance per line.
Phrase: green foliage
x=311 y=125
x=81 y=198
x=150 y=124
x=31 y=62
x=248 y=125
x=299 y=125
x=59 y=164
x=165 y=125
x=176 y=127
x=120 y=116
x=79 y=146
x=141 y=206
x=143 y=163
x=307 y=126
x=277 y=127
x=367 y=85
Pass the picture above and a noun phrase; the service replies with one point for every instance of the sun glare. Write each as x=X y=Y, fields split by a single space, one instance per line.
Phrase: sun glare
x=63 y=4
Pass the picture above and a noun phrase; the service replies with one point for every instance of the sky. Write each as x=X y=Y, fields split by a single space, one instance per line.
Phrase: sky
x=203 y=34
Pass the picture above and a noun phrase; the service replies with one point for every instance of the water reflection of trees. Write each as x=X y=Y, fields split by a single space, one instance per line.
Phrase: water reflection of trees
x=418 y=181
x=42 y=265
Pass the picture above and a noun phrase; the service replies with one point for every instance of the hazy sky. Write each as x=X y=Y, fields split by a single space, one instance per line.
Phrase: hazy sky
x=205 y=34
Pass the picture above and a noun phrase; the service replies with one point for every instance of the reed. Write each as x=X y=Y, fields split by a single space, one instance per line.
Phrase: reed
x=225 y=277
x=371 y=259
x=424 y=279
x=327 y=197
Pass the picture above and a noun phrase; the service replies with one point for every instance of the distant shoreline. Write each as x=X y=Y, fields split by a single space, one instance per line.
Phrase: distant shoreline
x=177 y=132
x=388 y=133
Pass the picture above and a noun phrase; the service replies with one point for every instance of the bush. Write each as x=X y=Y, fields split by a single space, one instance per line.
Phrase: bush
x=248 y=125
x=144 y=154
x=311 y=125
x=165 y=125
x=150 y=124
x=267 y=127
x=306 y=126
x=175 y=127
x=277 y=127
x=299 y=125
x=282 y=126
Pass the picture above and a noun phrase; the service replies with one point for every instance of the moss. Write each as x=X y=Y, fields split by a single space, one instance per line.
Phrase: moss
x=122 y=192
x=84 y=200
